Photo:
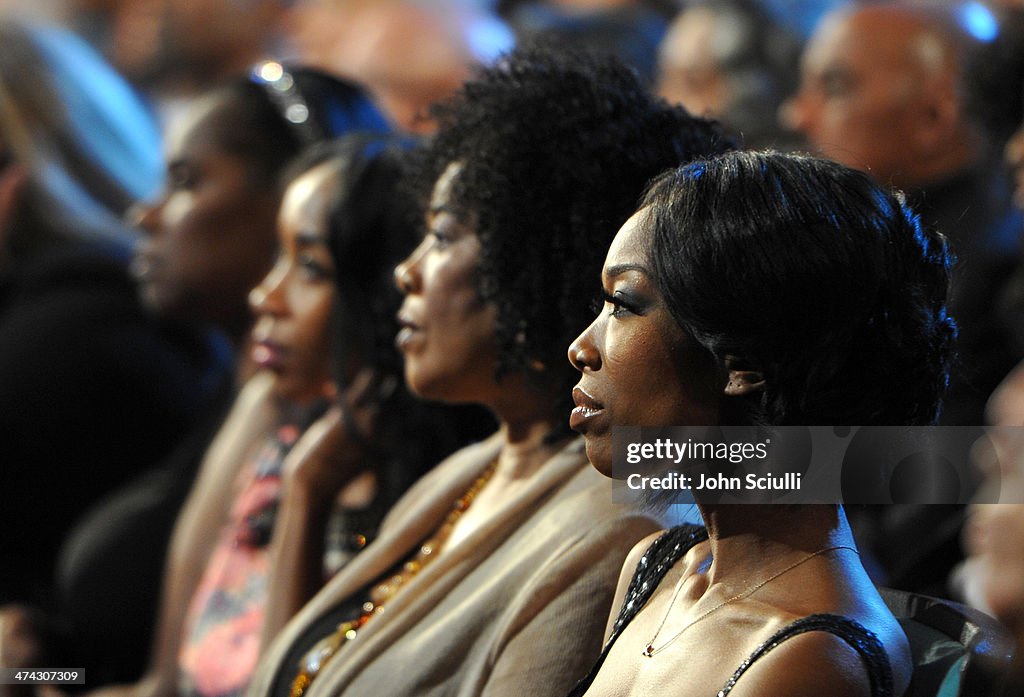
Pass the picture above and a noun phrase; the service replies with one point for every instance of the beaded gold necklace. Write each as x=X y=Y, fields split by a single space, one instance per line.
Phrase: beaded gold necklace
x=317 y=657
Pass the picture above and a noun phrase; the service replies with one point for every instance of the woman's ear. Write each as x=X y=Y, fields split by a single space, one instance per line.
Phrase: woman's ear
x=743 y=382
x=743 y=379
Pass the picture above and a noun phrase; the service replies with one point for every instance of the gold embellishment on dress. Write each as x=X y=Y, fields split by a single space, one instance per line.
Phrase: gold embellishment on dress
x=325 y=649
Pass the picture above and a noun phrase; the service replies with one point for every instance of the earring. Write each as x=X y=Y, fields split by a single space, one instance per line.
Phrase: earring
x=742 y=382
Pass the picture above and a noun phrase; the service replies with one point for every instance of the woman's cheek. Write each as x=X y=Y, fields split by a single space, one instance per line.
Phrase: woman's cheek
x=177 y=209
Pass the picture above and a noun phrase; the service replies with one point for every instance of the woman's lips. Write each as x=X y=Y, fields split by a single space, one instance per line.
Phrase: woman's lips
x=407 y=333
x=267 y=354
x=143 y=268
x=587 y=409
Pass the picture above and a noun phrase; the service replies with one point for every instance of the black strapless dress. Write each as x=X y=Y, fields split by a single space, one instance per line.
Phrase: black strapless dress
x=670 y=548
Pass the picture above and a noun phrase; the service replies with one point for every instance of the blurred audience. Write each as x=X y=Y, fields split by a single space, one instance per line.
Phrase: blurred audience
x=211 y=238
x=92 y=391
x=409 y=54
x=728 y=60
x=342 y=226
x=174 y=49
x=883 y=89
x=628 y=29
x=992 y=578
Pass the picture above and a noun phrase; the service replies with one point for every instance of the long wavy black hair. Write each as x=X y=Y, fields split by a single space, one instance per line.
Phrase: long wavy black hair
x=372 y=223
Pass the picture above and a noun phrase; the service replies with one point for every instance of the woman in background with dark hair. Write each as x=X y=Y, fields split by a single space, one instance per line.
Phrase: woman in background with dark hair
x=356 y=460
x=482 y=580
x=80 y=412
x=211 y=233
x=765 y=289
x=93 y=392
x=220 y=588
x=212 y=238
x=209 y=238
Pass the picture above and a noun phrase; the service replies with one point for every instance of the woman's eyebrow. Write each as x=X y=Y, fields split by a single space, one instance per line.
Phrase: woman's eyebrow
x=310 y=238
x=441 y=208
x=619 y=269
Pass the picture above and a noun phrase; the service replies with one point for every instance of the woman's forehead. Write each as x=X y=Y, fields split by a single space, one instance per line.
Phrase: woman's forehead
x=306 y=201
x=629 y=244
x=441 y=197
x=198 y=125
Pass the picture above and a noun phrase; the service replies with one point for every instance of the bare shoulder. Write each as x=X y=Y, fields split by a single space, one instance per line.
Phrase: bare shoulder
x=807 y=665
x=638 y=551
x=626 y=576
x=631 y=563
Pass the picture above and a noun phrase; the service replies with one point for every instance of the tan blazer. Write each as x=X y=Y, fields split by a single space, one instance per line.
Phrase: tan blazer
x=518 y=608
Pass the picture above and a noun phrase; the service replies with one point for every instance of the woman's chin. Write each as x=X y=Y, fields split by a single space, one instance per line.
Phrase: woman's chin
x=297 y=392
x=600 y=455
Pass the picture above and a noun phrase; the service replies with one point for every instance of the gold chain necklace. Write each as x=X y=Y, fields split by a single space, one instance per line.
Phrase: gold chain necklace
x=325 y=649
x=651 y=650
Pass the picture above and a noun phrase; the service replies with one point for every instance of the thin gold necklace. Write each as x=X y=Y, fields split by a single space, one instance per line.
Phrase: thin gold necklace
x=651 y=650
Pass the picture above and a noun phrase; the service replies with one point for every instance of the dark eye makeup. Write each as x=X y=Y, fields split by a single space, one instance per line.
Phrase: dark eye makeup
x=621 y=303
x=313 y=268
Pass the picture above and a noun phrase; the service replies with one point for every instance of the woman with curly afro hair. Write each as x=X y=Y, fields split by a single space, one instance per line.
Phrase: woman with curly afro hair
x=493 y=575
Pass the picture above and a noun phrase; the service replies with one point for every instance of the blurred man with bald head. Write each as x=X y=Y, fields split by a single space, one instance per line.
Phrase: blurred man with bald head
x=884 y=89
x=729 y=60
x=408 y=54
x=880 y=92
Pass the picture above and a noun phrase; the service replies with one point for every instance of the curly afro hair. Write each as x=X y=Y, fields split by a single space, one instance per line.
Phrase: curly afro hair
x=555 y=149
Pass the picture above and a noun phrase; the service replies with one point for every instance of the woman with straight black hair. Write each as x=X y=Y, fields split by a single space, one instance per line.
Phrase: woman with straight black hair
x=772 y=290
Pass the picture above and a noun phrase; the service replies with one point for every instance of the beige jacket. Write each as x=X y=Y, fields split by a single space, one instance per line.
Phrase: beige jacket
x=518 y=608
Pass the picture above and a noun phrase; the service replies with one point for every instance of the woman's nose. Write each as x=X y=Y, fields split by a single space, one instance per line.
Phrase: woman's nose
x=403 y=277
x=407 y=273
x=265 y=298
x=144 y=216
x=583 y=353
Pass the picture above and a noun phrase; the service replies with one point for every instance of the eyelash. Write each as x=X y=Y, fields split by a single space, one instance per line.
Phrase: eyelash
x=182 y=178
x=314 y=269
x=619 y=307
x=441 y=239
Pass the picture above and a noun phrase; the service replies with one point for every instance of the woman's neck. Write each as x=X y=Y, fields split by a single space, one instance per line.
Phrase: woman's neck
x=746 y=539
x=531 y=428
x=527 y=445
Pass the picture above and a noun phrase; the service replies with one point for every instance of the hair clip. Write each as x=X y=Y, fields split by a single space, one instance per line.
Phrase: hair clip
x=280 y=87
